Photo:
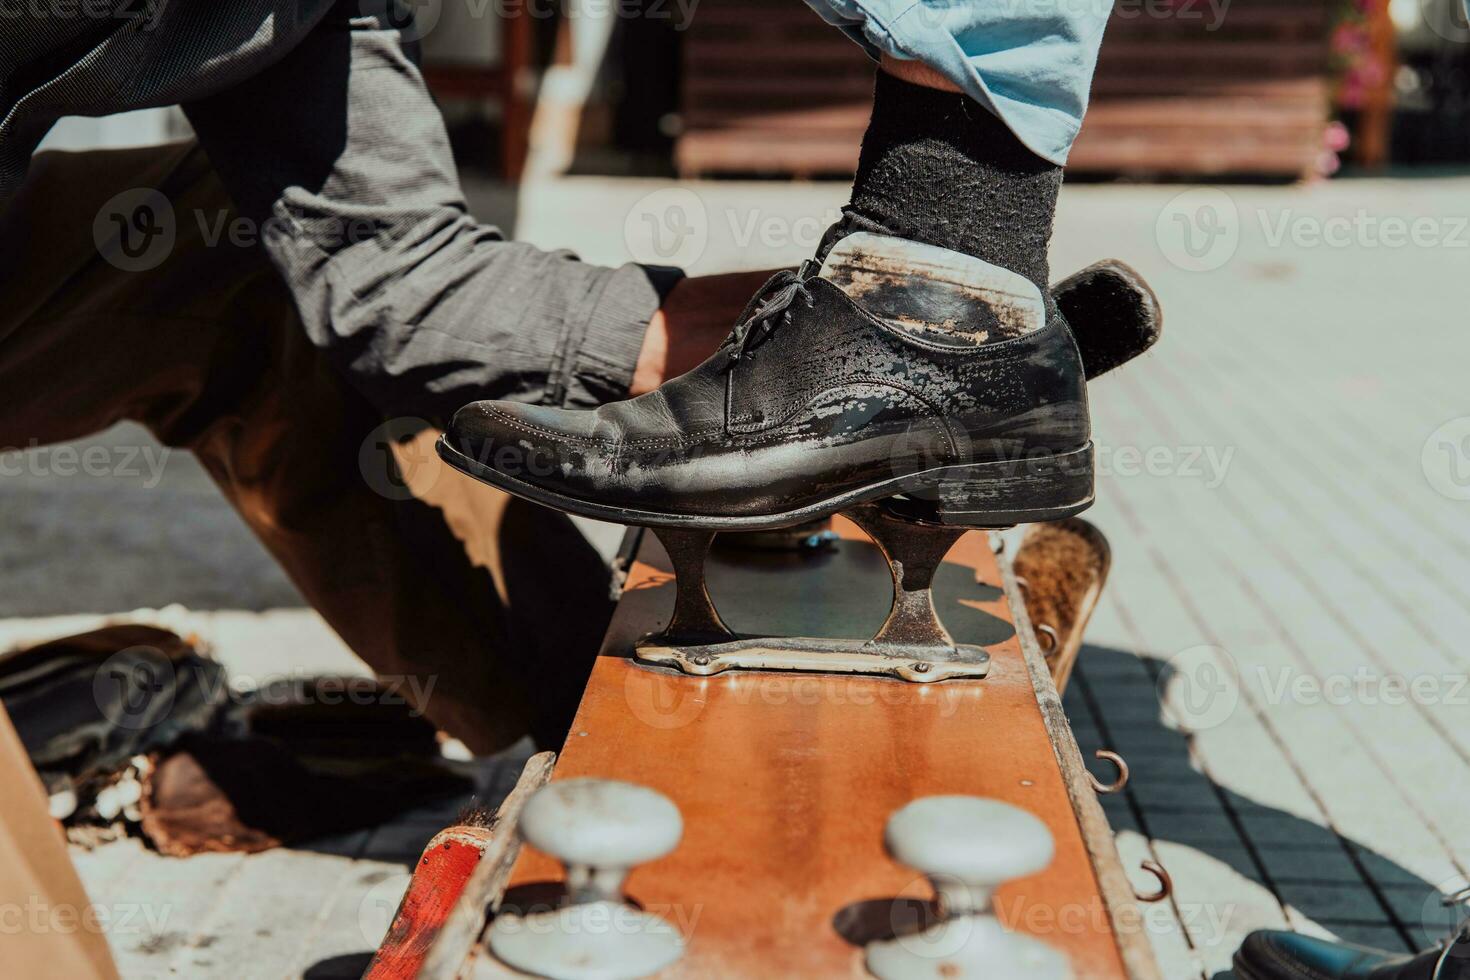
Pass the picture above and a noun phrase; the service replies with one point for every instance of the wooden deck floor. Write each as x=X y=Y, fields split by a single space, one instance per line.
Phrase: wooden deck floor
x=316 y=911
x=1285 y=569
x=1304 y=607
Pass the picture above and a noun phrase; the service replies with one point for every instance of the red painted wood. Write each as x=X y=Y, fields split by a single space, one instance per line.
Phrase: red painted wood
x=438 y=881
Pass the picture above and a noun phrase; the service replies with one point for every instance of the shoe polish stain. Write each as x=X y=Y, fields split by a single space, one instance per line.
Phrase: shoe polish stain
x=943 y=296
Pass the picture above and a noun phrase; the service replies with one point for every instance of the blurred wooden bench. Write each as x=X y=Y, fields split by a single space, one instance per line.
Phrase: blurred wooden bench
x=504 y=83
x=770 y=89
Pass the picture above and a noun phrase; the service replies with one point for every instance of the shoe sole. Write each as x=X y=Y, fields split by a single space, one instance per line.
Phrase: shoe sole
x=1243 y=971
x=989 y=495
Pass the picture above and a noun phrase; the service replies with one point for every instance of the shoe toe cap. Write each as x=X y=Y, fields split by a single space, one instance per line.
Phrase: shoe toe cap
x=534 y=444
x=492 y=424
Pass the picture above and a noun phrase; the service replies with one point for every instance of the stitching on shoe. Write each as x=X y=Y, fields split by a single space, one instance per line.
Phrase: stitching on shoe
x=766 y=434
x=668 y=443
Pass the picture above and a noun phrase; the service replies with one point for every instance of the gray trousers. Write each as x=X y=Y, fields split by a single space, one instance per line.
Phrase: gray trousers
x=340 y=151
x=326 y=139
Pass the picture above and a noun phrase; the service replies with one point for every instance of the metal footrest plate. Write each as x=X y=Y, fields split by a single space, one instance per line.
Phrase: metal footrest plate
x=827 y=656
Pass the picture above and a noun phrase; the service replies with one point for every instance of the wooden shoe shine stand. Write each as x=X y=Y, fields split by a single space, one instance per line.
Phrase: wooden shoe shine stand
x=785 y=780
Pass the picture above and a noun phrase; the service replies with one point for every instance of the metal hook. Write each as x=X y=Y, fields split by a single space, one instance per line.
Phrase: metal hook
x=1166 y=883
x=1021 y=583
x=1052 y=641
x=1101 y=788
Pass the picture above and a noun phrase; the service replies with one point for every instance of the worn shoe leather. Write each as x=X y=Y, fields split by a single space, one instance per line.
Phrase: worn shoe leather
x=1273 y=955
x=816 y=403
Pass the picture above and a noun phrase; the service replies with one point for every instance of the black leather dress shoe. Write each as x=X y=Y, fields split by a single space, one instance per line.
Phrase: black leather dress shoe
x=893 y=370
x=1271 y=955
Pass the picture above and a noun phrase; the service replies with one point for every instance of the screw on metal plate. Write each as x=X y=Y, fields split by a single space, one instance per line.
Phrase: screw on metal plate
x=912 y=644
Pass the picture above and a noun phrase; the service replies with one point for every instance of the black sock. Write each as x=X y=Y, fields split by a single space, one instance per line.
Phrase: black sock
x=939 y=168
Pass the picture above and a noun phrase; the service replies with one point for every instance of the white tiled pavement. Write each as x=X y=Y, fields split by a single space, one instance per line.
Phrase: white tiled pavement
x=1280 y=549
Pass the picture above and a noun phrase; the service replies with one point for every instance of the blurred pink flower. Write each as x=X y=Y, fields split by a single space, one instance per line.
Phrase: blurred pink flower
x=1349 y=39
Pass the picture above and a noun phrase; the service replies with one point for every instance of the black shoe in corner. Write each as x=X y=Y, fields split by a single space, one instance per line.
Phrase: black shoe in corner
x=1275 y=955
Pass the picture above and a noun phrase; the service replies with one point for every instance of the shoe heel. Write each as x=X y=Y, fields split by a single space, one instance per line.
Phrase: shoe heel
x=1009 y=492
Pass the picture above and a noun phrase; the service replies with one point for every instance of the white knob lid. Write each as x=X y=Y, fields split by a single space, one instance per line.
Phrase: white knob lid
x=973 y=840
x=592 y=941
x=967 y=948
x=601 y=822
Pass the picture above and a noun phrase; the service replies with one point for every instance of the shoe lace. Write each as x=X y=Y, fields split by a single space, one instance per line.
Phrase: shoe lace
x=768 y=310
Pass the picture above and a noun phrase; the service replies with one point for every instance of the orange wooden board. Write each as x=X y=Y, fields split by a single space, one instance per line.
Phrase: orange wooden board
x=785 y=781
